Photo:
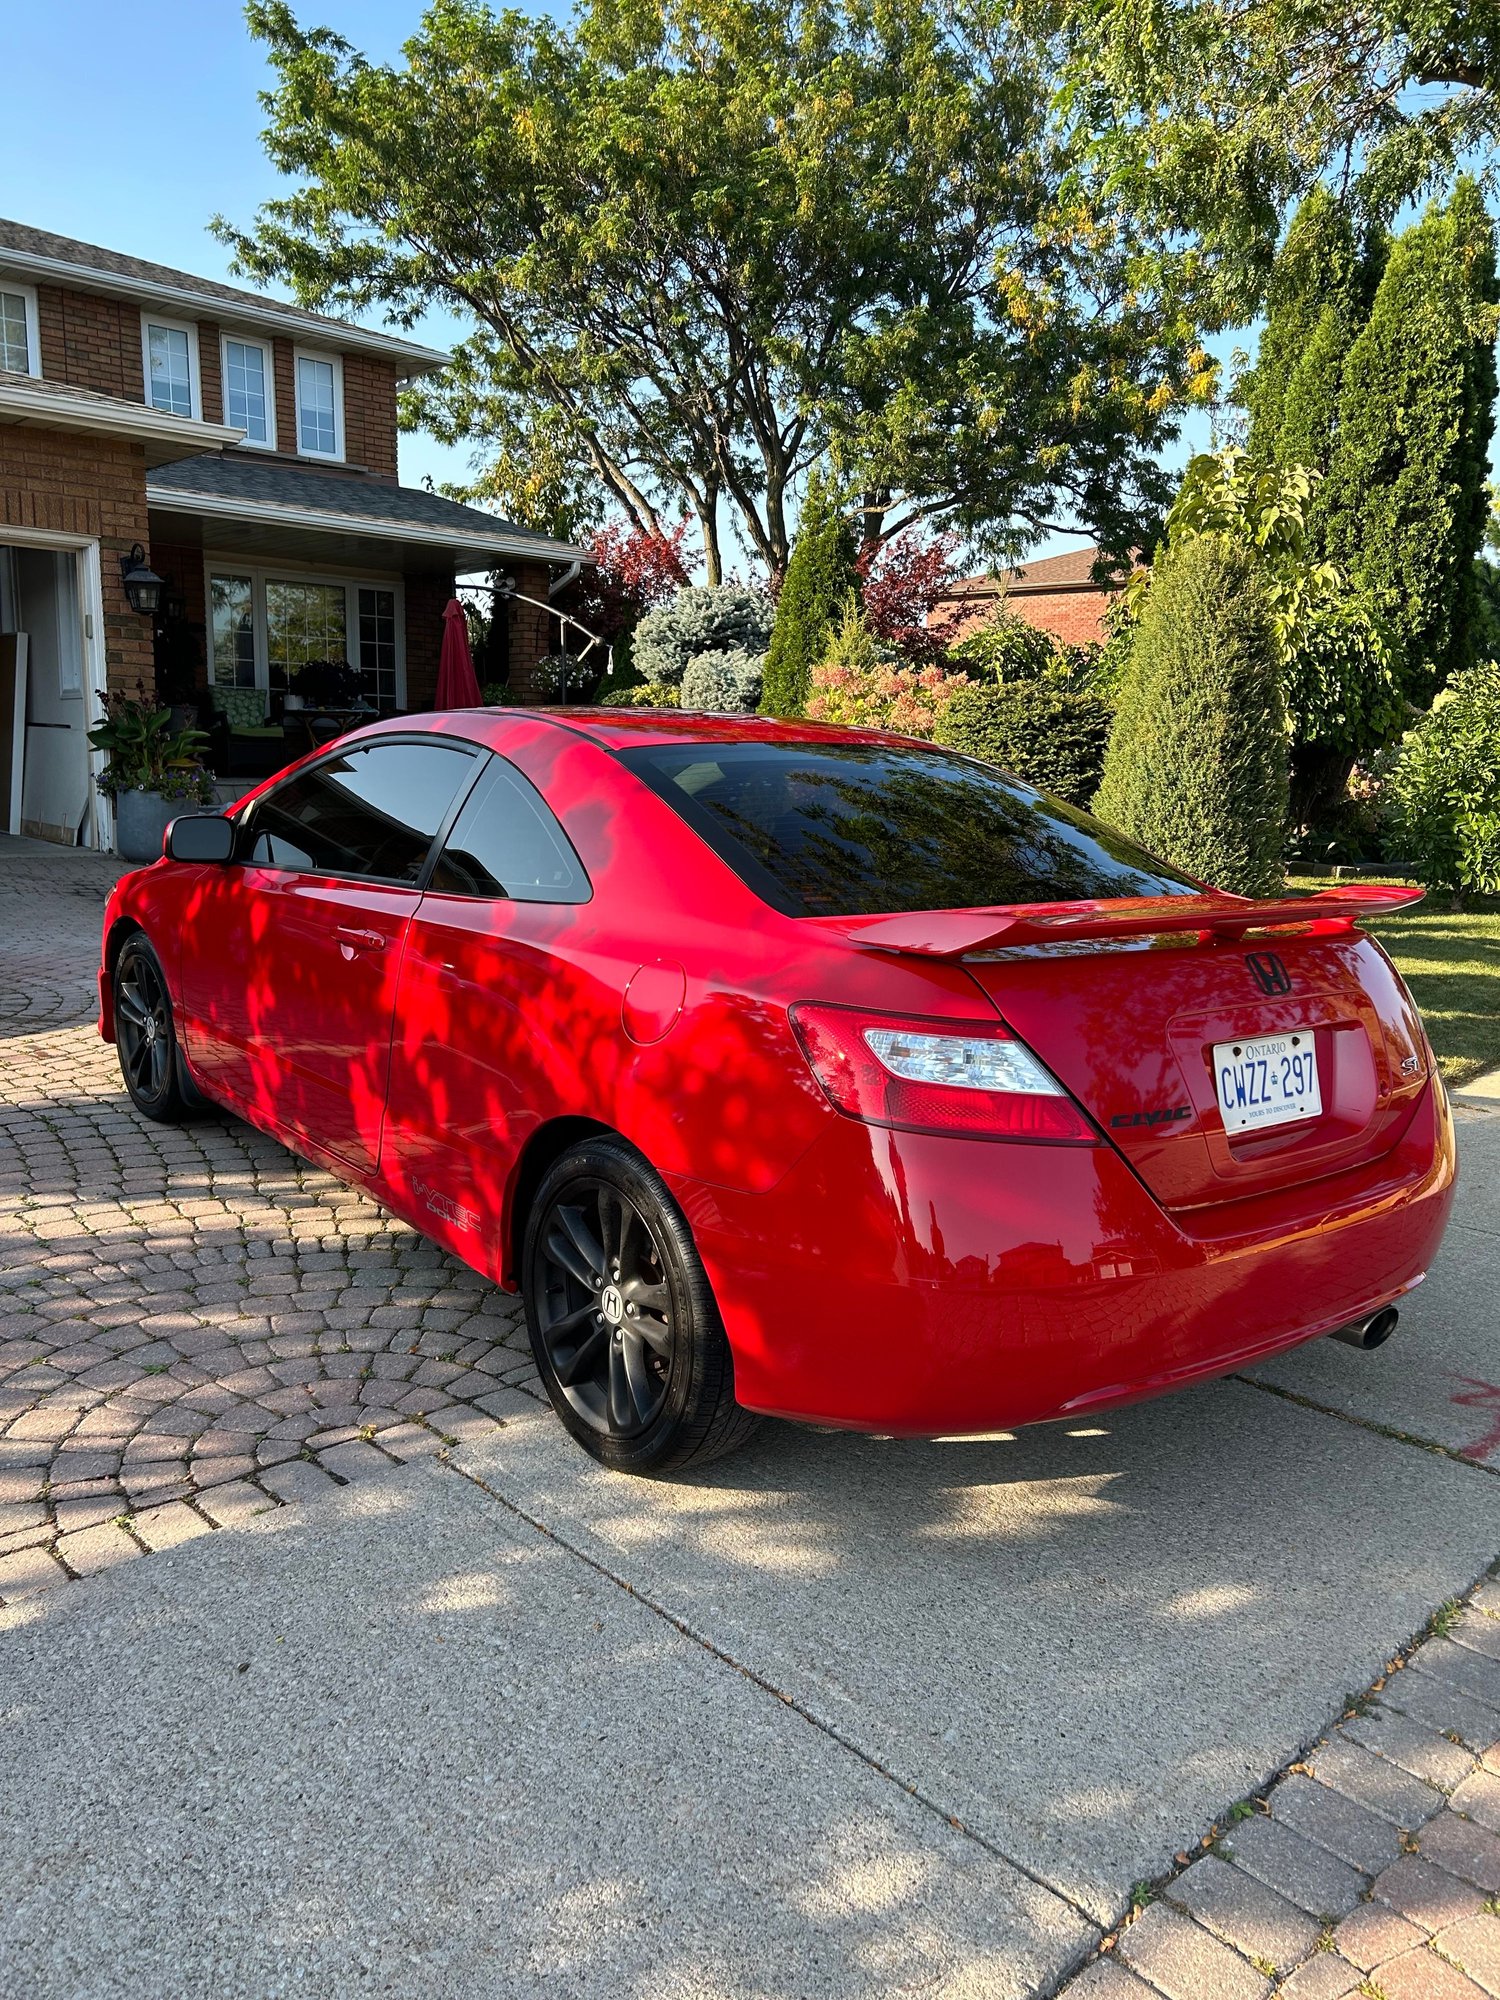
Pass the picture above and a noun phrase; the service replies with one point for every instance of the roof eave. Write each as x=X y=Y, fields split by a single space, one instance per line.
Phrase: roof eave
x=115 y=419
x=414 y=358
x=173 y=500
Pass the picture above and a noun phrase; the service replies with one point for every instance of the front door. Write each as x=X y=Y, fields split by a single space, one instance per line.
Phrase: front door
x=291 y=954
x=41 y=614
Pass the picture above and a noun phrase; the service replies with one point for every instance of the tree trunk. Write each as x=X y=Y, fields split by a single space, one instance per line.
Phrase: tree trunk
x=1319 y=775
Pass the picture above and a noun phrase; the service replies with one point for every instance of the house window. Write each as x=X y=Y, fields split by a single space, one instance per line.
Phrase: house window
x=248 y=401
x=232 y=614
x=264 y=627
x=171 y=354
x=377 y=644
x=304 y=621
x=19 y=349
x=320 y=406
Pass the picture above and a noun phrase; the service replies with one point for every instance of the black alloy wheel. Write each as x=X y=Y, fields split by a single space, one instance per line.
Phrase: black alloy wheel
x=144 y=1034
x=623 y=1323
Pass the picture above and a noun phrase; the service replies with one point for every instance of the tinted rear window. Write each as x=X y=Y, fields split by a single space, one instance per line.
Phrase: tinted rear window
x=835 y=830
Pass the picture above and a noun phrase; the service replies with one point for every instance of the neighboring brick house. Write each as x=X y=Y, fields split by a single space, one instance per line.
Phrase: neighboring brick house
x=249 y=448
x=1057 y=594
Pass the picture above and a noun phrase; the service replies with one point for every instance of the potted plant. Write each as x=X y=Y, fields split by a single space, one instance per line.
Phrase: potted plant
x=153 y=772
x=325 y=684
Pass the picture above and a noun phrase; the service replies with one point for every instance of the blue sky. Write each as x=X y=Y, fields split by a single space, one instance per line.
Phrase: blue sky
x=131 y=128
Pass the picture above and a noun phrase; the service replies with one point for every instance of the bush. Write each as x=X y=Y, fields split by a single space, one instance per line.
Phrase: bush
x=1196 y=768
x=820 y=574
x=864 y=682
x=701 y=619
x=723 y=683
x=1442 y=791
x=651 y=694
x=1008 y=649
x=1052 y=737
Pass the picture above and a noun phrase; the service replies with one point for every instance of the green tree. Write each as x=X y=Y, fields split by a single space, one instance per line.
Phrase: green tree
x=1313 y=278
x=705 y=246
x=1442 y=793
x=1196 y=768
x=1405 y=507
x=1222 y=113
x=820 y=578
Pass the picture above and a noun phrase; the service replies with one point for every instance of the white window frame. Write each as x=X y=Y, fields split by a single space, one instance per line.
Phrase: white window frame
x=224 y=561
x=27 y=293
x=195 y=384
x=268 y=442
x=336 y=362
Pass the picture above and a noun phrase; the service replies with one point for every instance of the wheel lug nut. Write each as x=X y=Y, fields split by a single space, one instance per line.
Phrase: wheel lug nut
x=631 y=1311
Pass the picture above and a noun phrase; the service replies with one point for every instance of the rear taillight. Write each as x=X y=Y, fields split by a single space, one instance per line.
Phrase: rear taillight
x=973 y=1079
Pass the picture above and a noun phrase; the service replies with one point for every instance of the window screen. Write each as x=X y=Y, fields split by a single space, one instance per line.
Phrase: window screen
x=367 y=812
x=506 y=842
x=828 y=829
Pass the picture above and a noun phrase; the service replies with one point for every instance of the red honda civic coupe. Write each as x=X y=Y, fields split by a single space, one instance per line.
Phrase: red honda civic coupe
x=793 y=1069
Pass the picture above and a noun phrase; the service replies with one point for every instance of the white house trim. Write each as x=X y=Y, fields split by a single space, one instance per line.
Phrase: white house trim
x=95 y=666
x=188 y=328
x=27 y=294
x=268 y=356
x=324 y=358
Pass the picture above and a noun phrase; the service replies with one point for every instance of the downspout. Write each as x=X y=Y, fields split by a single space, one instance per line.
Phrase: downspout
x=567 y=577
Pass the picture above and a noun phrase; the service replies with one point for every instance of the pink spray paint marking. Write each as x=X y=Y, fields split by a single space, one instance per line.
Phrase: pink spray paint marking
x=1485 y=1396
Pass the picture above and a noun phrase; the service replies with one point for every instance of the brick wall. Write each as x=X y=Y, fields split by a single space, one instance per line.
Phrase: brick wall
x=91 y=342
x=211 y=371
x=85 y=486
x=181 y=570
x=531 y=631
x=426 y=594
x=370 y=413
x=1076 y=617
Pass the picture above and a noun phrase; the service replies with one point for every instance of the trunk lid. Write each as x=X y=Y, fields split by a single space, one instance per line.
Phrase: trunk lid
x=1125 y=1004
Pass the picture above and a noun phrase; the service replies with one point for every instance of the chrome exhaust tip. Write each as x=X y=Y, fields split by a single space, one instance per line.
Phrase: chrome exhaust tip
x=1368 y=1333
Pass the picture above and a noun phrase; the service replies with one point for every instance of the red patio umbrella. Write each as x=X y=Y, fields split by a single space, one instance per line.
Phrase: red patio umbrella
x=457 y=683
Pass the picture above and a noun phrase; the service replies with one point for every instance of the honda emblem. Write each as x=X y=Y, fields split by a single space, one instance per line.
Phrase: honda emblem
x=1268 y=972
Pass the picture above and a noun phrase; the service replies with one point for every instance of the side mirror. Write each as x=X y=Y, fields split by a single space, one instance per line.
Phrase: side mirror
x=200 y=837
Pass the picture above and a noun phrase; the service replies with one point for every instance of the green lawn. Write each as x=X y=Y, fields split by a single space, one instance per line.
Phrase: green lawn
x=1451 y=961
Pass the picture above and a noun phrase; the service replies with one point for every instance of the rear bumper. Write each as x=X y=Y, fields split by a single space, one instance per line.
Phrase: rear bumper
x=904 y=1283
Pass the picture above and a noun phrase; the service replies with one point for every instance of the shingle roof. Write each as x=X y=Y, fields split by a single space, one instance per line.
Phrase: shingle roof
x=1072 y=570
x=22 y=246
x=240 y=477
x=35 y=399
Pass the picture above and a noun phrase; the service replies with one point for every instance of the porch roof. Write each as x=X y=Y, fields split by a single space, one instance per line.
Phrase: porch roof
x=57 y=406
x=278 y=508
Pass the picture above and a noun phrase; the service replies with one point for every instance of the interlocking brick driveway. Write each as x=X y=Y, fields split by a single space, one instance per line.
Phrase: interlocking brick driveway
x=194 y=1324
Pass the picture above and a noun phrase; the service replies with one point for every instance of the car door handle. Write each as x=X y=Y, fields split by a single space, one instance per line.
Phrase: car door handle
x=352 y=940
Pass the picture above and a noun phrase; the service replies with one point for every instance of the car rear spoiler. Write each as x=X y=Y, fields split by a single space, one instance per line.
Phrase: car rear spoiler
x=965 y=933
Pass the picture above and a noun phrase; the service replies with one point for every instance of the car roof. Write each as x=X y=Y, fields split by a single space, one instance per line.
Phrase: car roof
x=620 y=728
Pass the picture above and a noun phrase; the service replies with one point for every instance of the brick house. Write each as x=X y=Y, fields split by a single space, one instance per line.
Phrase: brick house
x=1057 y=594
x=248 y=447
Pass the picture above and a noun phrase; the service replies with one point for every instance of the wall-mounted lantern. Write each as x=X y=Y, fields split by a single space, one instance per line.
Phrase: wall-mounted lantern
x=143 y=587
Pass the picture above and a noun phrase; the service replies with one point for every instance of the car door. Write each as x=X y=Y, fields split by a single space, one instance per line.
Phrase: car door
x=477 y=1061
x=293 y=954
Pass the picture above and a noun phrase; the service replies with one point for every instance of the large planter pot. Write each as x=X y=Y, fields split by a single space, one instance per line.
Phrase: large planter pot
x=141 y=821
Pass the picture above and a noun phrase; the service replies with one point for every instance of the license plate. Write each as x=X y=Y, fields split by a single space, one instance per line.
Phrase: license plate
x=1272 y=1080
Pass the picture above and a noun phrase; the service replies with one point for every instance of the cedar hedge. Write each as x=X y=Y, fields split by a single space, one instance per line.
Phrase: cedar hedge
x=1051 y=736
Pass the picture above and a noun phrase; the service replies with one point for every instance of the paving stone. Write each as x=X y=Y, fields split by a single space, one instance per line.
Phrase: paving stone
x=1356 y=1835
x=1479 y=1797
x=1474 y=1945
x=1245 y=1913
x=1376 y=1783
x=355 y=1460
x=1184 y=1962
x=1417 y=1749
x=1374 y=1932
x=406 y=1441
x=1463 y=1849
x=1442 y=1707
x=233 y=1504
x=1427 y=1894
x=1422 y=1975
x=1308 y=1875
x=465 y=1426
x=27 y=1571
x=167 y=1527
x=1325 y=1976
x=1107 y=1979
x=1474 y=1672
x=298 y=1480
x=93 y=1549
x=1472 y=1628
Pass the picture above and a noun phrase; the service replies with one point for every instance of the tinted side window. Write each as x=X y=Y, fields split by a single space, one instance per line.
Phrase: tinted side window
x=860 y=829
x=506 y=842
x=367 y=812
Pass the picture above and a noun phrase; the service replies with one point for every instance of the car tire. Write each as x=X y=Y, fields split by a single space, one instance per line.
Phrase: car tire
x=146 y=1036
x=623 y=1324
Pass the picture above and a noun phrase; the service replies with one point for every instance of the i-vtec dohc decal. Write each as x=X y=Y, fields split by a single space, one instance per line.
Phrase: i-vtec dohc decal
x=445 y=1206
x=1123 y=1118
